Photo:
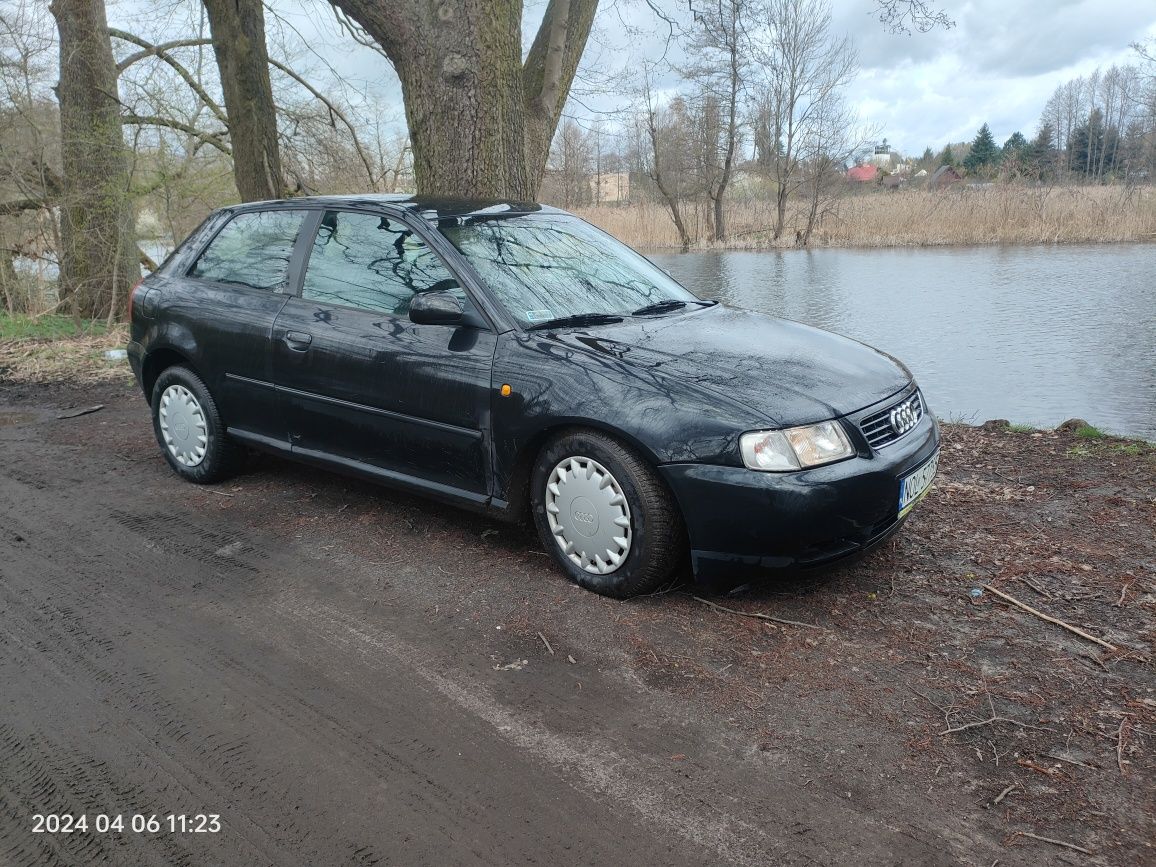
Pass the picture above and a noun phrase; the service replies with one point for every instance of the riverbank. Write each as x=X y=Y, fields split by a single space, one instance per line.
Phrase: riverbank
x=958 y=216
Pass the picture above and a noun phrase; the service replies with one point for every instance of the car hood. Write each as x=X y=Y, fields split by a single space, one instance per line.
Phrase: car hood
x=785 y=372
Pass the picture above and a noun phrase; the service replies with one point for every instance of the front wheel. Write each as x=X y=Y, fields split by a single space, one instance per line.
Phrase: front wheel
x=605 y=516
x=189 y=429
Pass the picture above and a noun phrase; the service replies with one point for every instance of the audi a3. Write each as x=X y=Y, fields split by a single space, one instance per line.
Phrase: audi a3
x=514 y=359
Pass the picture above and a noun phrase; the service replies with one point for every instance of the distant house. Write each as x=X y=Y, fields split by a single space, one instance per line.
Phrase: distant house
x=610 y=187
x=881 y=157
x=863 y=174
x=944 y=176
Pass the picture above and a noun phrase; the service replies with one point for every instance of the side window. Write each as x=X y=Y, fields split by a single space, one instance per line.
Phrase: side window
x=370 y=262
x=252 y=250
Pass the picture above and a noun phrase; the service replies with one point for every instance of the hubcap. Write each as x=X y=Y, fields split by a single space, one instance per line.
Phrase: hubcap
x=183 y=425
x=588 y=515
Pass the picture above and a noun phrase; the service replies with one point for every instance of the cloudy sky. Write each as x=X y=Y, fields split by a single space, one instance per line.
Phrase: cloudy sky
x=999 y=64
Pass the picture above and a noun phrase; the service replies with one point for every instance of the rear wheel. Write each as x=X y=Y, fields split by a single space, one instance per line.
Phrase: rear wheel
x=189 y=429
x=605 y=516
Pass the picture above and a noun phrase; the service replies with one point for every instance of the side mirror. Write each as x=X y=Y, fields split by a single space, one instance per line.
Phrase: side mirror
x=435 y=308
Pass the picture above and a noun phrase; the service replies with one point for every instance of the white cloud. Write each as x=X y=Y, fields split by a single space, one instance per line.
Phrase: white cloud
x=998 y=66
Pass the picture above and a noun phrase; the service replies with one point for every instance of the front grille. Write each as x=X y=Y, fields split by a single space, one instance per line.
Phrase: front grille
x=878 y=428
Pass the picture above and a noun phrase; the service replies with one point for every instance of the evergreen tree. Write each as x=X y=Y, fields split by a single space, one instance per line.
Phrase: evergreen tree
x=927 y=161
x=946 y=157
x=1014 y=157
x=1042 y=151
x=984 y=152
x=1015 y=146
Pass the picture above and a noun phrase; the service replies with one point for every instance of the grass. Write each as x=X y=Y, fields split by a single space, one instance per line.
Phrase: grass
x=51 y=326
x=51 y=348
x=1021 y=428
x=1091 y=442
x=1001 y=214
x=1131 y=449
x=1090 y=432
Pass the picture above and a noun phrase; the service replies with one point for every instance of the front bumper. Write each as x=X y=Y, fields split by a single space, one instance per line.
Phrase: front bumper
x=743 y=522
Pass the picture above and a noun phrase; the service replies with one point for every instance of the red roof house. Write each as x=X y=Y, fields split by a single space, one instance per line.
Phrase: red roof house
x=863 y=174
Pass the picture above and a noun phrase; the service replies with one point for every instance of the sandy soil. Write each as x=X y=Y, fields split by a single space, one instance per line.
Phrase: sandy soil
x=351 y=675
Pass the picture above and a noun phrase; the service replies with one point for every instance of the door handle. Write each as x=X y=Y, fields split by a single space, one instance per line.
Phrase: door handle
x=298 y=341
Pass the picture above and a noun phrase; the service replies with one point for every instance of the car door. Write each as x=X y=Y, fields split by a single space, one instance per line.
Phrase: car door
x=238 y=284
x=365 y=386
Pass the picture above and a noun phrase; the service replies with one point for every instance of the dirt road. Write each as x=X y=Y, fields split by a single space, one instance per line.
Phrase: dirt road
x=351 y=676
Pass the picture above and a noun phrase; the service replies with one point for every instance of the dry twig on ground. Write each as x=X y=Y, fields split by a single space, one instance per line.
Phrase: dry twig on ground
x=759 y=615
x=1075 y=630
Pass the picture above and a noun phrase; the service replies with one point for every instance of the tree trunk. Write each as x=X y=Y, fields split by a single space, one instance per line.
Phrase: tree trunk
x=238 y=30
x=9 y=294
x=780 y=211
x=98 y=249
x=684 y=239
x=480 y=121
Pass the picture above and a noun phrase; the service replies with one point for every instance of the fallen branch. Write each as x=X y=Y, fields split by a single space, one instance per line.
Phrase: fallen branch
x=547 y=643
x=74 y=413
x=994 y=719
x=1075 y=630
x=1121 y=735
x=759 y=615
x=1072 y=846
x=1069 y=761
x=1005 y=793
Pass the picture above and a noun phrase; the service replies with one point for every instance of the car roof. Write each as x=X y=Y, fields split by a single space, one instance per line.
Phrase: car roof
x=431 y=208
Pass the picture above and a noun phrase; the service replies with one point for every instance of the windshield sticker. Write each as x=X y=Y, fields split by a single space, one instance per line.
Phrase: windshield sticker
x=538 y=315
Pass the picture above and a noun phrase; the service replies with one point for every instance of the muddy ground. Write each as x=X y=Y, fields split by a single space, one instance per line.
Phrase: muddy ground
x=350 y=675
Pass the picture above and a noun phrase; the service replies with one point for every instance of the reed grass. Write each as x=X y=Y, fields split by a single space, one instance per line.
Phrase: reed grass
x=1000 y=214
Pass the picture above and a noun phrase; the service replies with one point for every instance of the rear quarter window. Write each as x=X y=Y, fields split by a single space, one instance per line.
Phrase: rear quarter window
x=253 y=249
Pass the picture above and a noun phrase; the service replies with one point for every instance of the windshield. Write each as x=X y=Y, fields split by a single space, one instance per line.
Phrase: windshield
x=552 y=266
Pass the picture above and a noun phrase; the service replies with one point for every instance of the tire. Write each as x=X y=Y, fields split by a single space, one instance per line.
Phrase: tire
x=189 y=429
x=577 y=515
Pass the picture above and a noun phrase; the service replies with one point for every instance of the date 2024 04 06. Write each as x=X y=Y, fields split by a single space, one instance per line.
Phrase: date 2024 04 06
x=133 y=823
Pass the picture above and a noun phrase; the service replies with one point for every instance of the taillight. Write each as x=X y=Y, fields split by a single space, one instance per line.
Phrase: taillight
x=131 y=293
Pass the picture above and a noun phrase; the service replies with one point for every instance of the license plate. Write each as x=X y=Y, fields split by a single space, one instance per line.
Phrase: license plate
x=915 y=485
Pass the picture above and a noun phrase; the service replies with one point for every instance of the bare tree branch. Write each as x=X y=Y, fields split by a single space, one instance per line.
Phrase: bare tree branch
x=334 y=110
x=151 y=50
x=20 y=205
x=162 y=53
x=214 y=139
x=896 y=15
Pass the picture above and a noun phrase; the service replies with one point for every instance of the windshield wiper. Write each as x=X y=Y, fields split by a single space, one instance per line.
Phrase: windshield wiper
x=664 y=306
x=576 y=319
x=669 y=304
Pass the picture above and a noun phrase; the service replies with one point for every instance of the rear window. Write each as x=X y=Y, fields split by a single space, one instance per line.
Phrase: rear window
x=253 y=249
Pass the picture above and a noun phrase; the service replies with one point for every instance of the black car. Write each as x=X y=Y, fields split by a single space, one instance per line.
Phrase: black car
x=515 y=359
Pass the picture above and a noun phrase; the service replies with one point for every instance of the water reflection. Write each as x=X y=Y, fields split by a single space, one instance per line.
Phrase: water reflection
x=1031 y=334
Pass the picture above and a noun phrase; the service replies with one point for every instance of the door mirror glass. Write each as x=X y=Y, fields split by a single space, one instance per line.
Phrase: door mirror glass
x=435 y=308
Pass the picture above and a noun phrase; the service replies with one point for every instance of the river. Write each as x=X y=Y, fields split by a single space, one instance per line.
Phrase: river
x=1035 y=335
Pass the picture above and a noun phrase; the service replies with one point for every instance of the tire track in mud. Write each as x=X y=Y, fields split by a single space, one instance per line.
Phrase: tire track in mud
x=99 y=693
x=243 y=676
x=39 y=775
x=59 y=630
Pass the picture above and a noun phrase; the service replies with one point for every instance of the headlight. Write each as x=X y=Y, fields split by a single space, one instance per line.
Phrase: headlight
x=795 y=448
